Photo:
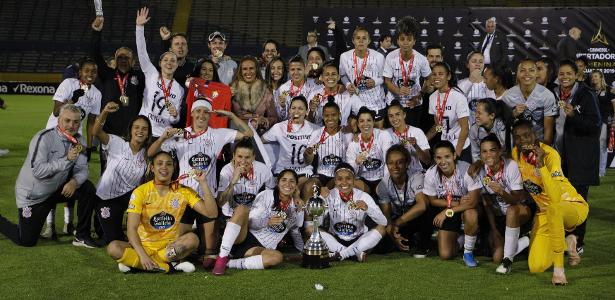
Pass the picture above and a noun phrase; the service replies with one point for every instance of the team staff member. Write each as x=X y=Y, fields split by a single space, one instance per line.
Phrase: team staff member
x=127 y=165
x=154 y=240
x=403 y=204
x=53 y=155
x=216 y=42
x=122 y=83
x=361 y=72
x=560 y=207
x=163 y=95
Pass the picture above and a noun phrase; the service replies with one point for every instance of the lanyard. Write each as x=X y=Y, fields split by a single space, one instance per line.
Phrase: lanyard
x=406 y=76
x=166 y=91
x=121 y=82
x=441 y=107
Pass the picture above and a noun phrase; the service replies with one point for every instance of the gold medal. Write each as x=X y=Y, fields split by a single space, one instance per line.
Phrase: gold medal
x=79 y=147
x=449 y=212
x=561 y=104
x=352 y=204
x=439 y=128
x=314 y=66
x=124 y=100
x=281 y=214
x=285 y=93
x=85 y=87
x=486 y=180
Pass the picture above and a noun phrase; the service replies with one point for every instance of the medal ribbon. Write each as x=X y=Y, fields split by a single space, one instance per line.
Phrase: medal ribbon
x=440 y=107
x=69 y=137
x=448 y=187
x=406 y=76
x=188 y=135
x=368 y=146
x=289 y=126
x=358 y=75
x=323 y=136
x=249 y=175
x=166 y=91
x=563 y=96
x=400 y=135
x=121 y=82
x=292 y=92
x=500 y=173
x=346 y=197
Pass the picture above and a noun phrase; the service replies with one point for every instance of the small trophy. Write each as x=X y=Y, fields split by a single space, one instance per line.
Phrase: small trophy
x=315 y=251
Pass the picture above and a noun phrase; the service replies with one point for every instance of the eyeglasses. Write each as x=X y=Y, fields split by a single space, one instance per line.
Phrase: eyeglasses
x=214 y=34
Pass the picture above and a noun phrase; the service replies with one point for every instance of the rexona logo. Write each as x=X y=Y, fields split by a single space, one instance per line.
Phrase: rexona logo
x=27 y=88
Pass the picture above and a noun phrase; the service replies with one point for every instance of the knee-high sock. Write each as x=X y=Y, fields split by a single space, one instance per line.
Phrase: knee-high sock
x=511 y=237
x=332 y=243
x=68 y=218
x=131 y=258
x=468 y=244
x=248 y=263
x=231 y=232
x=367 y=241
x=51 y=216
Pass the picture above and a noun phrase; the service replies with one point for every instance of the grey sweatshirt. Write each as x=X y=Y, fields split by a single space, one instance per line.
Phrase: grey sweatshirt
x=46 y=168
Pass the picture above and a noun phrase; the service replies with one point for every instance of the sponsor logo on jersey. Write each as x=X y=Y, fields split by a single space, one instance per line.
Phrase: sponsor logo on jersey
x=331 y=160
x=162 y=221
x=344 y=229
x=532 y=188
x=372 y=164
x=175 y=203
x=244 y=198
x=199 y=161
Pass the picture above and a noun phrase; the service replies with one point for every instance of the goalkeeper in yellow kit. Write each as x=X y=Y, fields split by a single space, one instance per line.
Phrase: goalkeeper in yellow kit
x=560 y=207
x=154 y=213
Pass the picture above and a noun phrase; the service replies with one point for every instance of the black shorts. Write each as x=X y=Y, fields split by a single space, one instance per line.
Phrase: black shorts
x=344 y=242
x=322 y=178
x=190 y=215
x=379 y=114
x=250 y=242
x=372 y=187
x=453 y=223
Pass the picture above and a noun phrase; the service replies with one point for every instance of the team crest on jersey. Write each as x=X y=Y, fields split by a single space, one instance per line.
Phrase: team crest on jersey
x=199 y=161
x=372 y=164
x=331 y=160
x=244 y=198
x=532 y=188
x=344 y=229
x=556 y=174
x=26 y=212
x=134 y=80
x=162 y=221
x=105 y=212
x=175 y=203
x=131 y=206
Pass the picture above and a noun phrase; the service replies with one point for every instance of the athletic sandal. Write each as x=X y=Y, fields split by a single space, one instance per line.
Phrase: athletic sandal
x=185 y=266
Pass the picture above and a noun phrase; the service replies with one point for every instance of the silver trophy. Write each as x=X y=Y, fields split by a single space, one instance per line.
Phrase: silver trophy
x=98 y=8
x=315 y=250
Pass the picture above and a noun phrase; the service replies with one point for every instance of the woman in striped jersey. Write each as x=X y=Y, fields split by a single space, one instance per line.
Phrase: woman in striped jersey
x=347 y=209
x=367 y=153
x=126 y=165
x=163 y=95
x=274 y=213
x=474 y=86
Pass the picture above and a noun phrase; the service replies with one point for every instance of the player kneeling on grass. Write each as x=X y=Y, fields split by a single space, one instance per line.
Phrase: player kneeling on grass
x=273 y=214
x=347 y=209
x=154 y=211
x=403 y=204
x=560 y=207
x=455 y=194
x=503 y=198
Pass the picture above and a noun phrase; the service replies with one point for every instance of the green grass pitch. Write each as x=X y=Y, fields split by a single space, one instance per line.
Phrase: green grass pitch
x=59 y=270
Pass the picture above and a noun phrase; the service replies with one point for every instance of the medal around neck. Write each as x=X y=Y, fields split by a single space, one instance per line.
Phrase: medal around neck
x=315 y=251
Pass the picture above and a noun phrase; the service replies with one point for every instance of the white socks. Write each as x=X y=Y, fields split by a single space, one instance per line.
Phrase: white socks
x=366 y=242
x=51 y=216
x=248 y=263
x=67 y=215
x=511 y=237
x=228 y=238
x=468 y=244
x=332 y=243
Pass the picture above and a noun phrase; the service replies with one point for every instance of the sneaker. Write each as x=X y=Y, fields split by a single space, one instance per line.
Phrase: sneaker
x=69 y=229
x=580 y=249
x=505 y=267
x=335 y=257
x=209 y=262
x=123 y=268
x=573 y=256
x=361 y=256
x=468 y=258
x=49 y=232
x=185 y=266
x=220 y=265
x=421 y=253
x=86 y=242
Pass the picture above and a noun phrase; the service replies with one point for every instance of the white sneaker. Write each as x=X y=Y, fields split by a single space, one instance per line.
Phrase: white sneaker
x=48 y=231
x=185 y=266
x=362 y=256
x=4 y=152
x=123 y=268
